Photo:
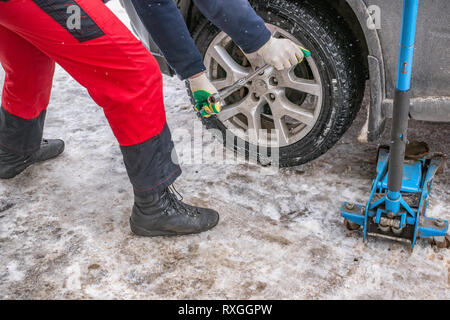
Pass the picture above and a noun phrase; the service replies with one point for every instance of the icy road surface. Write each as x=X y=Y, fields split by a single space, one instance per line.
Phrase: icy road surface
x=64 y=224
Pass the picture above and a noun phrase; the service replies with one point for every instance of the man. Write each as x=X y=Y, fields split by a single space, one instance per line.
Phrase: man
x=237 y=18
x=119 y=74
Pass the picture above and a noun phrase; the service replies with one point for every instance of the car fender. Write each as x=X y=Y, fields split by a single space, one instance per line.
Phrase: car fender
x=377 y=114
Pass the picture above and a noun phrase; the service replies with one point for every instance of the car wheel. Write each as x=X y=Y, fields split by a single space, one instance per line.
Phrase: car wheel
x=299 y=113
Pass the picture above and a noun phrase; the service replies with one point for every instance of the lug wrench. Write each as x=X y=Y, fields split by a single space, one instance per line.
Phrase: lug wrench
x=225 y=92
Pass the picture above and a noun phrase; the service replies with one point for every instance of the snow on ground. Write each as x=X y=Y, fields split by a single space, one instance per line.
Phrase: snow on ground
x=64 y=229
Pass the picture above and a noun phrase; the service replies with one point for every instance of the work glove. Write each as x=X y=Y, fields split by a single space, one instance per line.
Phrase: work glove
x=281 y=53
x=201 y=89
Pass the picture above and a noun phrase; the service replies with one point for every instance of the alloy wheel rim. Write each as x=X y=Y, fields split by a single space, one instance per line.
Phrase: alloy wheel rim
x=276 y=109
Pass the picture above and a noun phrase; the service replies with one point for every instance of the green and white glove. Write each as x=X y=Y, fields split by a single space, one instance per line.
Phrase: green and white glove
x=282 y=53
x=201 y=89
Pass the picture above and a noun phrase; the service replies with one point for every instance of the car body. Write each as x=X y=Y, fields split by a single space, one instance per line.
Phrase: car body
x=380 y=41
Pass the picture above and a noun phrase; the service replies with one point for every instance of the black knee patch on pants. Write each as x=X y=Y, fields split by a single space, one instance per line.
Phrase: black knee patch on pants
x=150 y=165
x=20 y=136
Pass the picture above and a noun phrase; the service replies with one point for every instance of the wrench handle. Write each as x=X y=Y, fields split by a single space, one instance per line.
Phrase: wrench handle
x=214 y=98
x=225 y=92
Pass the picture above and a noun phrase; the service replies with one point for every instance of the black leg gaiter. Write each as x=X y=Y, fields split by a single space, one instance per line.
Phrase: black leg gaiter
x=150 y=165
x=20 y=136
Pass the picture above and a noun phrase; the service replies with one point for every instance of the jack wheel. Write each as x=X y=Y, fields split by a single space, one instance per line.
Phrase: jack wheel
x=351 y=225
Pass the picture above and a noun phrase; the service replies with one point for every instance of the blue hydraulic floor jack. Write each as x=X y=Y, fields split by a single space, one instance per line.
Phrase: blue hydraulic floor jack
x=398 y=202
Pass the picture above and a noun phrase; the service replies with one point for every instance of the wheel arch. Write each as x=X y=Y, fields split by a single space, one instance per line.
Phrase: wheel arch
x=375 y=67
x=355 y=14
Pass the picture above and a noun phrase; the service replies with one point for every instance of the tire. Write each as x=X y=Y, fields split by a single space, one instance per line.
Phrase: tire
x=336 y=54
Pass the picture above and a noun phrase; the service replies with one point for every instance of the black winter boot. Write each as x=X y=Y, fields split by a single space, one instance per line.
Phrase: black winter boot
x=163 y=214
x=12 y=164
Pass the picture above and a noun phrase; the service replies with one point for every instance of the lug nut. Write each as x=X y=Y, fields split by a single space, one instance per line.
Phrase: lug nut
x=272 y=96
x=273 y=81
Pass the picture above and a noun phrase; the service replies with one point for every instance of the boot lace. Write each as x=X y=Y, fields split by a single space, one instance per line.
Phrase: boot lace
x=175 y=202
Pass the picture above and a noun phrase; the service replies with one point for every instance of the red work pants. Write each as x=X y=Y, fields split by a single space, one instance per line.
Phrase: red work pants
x=102 y=55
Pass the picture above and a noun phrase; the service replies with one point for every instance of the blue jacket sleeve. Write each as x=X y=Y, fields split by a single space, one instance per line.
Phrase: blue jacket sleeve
x=166 y=26
x=238 y=19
